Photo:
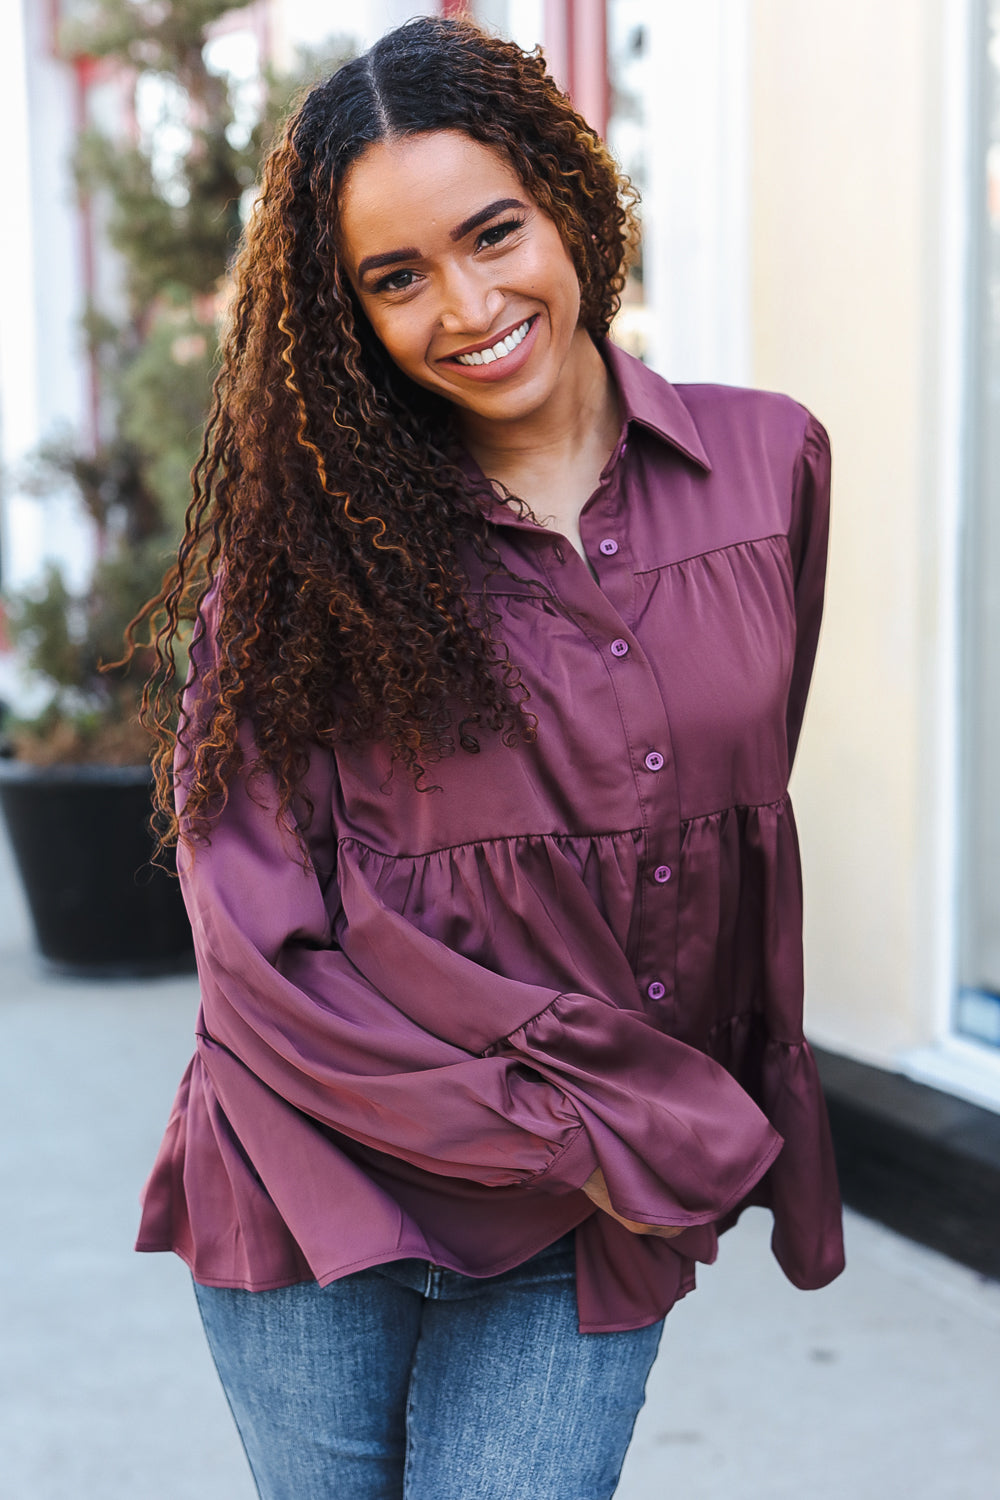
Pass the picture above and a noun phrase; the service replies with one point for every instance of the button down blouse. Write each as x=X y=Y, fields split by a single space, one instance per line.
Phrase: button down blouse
x=576 y=953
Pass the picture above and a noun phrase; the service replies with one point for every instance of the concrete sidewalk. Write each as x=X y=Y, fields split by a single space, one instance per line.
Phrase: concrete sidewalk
x=883 y=1385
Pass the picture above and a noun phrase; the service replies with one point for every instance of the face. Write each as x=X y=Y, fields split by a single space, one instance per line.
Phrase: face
x=465 y=281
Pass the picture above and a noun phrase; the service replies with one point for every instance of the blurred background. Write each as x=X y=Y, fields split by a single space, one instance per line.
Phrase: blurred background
x=820 y=188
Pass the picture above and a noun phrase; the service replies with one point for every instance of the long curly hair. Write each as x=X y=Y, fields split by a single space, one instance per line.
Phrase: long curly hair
x=330 y=510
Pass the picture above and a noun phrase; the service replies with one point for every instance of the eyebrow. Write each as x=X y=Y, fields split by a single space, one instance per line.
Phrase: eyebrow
x=375 y=262
x=484 y=214
x=410 y=252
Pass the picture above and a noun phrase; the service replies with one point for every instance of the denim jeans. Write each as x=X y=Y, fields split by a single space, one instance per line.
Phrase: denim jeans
x=411 y=1382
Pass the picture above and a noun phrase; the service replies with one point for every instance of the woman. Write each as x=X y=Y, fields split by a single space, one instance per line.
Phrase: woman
x=500 y=656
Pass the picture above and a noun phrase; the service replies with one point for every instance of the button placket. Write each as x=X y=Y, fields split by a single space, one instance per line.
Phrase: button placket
x=652 y=941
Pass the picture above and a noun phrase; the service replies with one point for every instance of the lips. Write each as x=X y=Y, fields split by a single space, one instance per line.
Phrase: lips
x=516 y=332
x=494 y=358
x=504 y=345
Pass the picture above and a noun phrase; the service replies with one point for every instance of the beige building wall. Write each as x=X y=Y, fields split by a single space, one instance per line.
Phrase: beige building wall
x=849 y=314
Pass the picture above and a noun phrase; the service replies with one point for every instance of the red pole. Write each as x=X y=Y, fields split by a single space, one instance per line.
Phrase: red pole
x=588 y=41
x=576 y=50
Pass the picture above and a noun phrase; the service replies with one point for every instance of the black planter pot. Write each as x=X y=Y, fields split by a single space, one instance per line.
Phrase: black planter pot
x=81 y=842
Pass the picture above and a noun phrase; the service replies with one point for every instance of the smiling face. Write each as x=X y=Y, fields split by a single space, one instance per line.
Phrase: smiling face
x=465 y=281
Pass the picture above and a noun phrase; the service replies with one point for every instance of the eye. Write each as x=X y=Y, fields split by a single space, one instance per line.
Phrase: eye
x=396 y=281
x=497 y=233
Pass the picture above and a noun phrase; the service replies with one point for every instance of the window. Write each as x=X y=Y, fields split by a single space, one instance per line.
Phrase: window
x=978 y=1002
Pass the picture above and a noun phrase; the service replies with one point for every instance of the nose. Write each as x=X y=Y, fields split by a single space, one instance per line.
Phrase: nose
x=470 y=304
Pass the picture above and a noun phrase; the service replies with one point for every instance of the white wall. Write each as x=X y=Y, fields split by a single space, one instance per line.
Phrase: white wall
x=858 y=222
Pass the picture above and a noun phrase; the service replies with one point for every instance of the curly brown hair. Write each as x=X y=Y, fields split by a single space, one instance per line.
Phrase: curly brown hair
x=330 y=509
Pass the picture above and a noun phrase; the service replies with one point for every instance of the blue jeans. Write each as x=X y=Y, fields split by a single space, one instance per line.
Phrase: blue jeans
x=411 y=1382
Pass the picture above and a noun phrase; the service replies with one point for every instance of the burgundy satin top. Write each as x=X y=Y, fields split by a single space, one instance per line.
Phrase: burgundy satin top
x=580 y=952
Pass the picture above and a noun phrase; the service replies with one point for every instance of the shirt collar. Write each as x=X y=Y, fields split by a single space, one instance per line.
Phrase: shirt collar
x=652 y=402
x=645 y=398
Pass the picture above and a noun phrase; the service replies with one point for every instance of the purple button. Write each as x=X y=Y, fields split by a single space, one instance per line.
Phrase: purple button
x=656 y=990
x=654 y=761
x=619 y=648
x=662 y=874
x=609 y=546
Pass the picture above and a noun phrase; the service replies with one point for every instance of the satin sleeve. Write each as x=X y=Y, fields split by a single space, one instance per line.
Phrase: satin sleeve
x=808 y=540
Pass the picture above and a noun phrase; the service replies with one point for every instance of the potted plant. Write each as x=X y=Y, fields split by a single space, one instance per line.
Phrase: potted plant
x=75 y=778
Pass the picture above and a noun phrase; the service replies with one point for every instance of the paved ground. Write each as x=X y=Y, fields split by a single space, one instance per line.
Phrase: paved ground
x=884 y=1385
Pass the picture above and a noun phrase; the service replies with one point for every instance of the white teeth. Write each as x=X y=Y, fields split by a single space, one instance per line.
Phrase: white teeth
x=499 y=350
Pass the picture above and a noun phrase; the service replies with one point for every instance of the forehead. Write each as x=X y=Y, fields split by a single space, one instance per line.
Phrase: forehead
x=416 y=187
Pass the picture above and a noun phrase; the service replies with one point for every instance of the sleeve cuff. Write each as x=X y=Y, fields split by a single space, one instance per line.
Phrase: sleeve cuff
x=570 y=1168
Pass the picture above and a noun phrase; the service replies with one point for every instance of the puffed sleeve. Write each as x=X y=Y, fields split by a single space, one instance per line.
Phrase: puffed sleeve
x=808 y=536
x=283 y=1004
x=452 y=1068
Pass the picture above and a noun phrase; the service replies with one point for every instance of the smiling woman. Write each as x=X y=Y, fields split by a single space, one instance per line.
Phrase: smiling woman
x=501 y=649
x=488 y=267
x=483 y=310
